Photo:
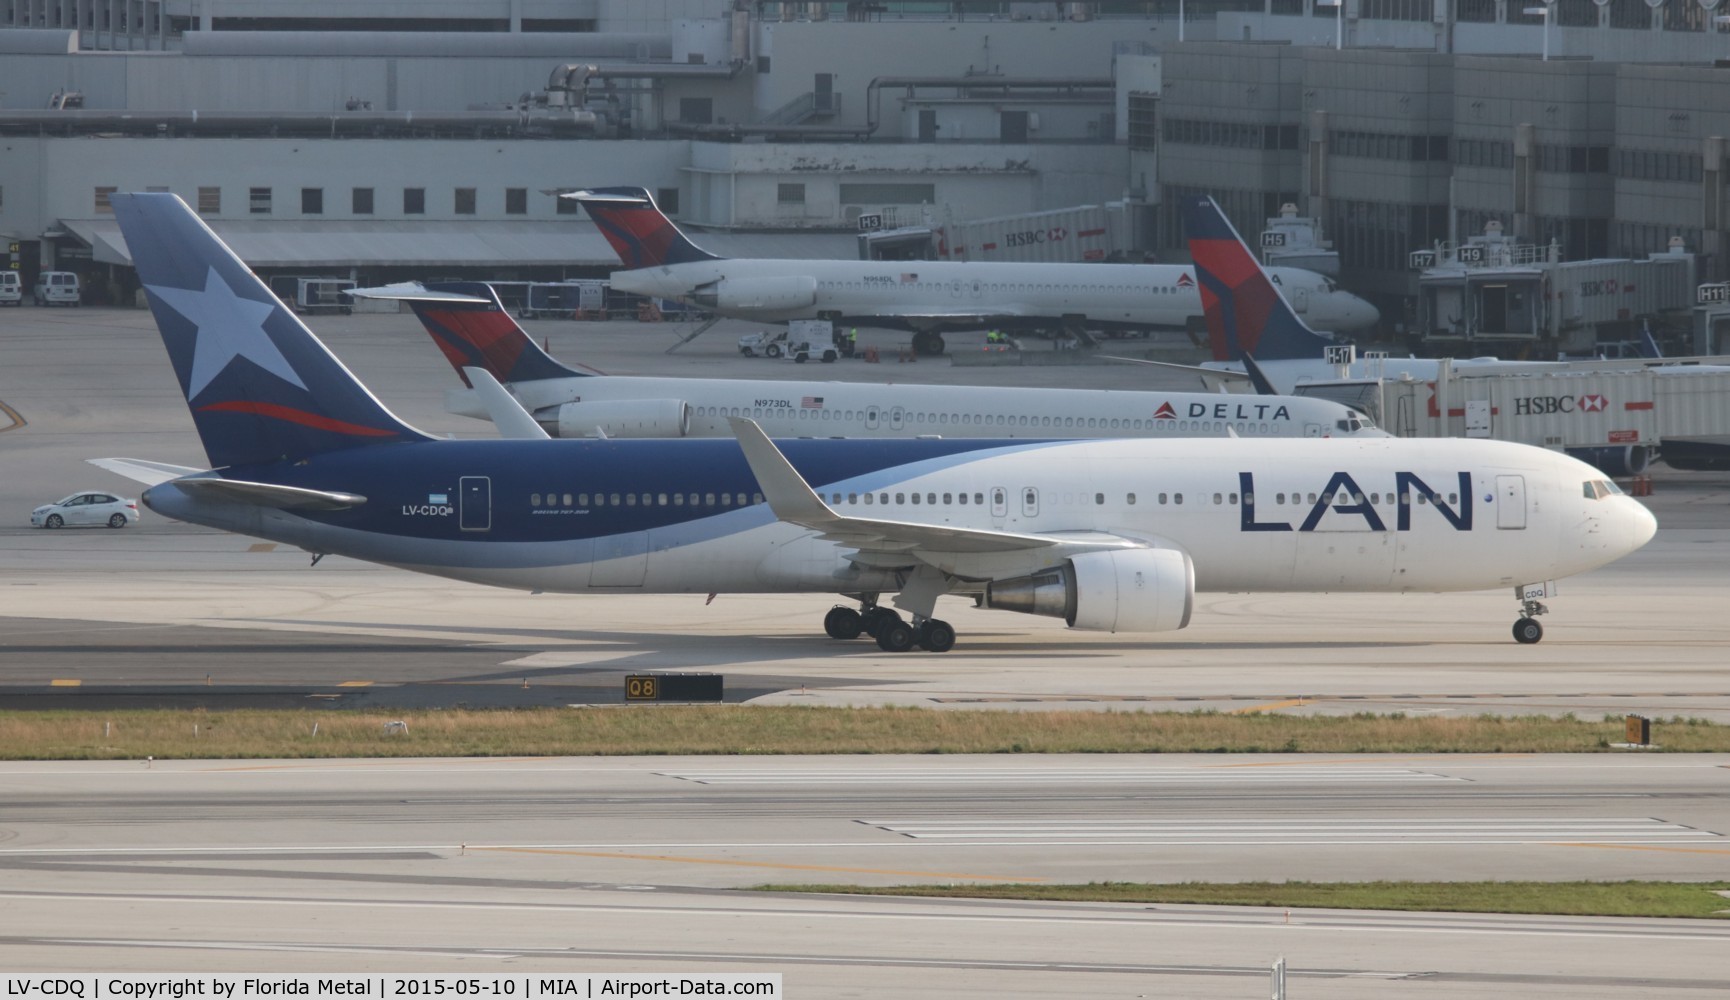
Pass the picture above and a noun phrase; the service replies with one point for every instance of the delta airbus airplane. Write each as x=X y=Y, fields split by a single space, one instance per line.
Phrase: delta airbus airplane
x=1112 y=535
x=473 y=329
x=926 y=297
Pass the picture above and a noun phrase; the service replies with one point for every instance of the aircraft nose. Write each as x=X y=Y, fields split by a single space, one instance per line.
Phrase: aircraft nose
x=1641 y=524
x=1362 y=315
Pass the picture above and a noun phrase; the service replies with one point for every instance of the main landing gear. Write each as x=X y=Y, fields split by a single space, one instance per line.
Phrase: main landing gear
x=892 y=632
x=1526 y=629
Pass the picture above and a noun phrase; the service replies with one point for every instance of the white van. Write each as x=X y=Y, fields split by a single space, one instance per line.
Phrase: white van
x=11 y=289
x=57 y=288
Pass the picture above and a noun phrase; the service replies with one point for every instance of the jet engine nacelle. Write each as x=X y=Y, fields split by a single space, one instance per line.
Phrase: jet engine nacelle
x=624 y=418
x=759 y=294
x=1616 y=459
x=1132 y=590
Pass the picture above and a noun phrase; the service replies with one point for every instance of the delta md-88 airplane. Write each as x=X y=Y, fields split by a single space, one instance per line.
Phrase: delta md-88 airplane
x=926 y=297
x=1114 y=535
x=472 y=329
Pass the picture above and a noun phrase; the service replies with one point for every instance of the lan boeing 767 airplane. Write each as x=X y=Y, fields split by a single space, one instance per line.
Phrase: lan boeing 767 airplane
x=1113 y=535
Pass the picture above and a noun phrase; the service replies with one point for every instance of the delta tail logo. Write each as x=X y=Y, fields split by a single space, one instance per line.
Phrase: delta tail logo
x=1165 y=412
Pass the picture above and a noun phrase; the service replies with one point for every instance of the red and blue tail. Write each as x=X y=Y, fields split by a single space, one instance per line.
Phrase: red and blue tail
x=483 y=335
x=1245 y=313
x=260 y=386
x=638 y=232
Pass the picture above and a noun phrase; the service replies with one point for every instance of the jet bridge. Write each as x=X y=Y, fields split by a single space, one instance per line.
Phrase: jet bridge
x=1493 y=295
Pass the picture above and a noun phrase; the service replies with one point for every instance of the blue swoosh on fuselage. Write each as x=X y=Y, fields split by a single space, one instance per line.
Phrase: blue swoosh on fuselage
x=393 y=477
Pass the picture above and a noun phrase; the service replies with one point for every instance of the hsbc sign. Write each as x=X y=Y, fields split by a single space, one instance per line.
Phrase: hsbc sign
x=1530 y=406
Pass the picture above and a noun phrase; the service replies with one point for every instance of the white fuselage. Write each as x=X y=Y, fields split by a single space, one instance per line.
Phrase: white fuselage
x=863 y=409
x=1363 y=514
x=934 y=295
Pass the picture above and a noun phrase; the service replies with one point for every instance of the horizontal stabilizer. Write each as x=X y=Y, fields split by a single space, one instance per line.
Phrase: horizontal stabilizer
x=414 y=291
x=268 y=494
x=142 y=471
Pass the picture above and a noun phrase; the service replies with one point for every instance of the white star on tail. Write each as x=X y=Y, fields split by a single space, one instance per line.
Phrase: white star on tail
x=229 y=327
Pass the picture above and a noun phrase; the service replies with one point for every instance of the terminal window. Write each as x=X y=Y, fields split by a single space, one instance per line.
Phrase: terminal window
x=312 y=201
x=516 y=201
x=790 y=194
x=210 y=201
x=258 y=201
x=465 y=201
x=362 y=201
x=103 y=206
x=414 y=201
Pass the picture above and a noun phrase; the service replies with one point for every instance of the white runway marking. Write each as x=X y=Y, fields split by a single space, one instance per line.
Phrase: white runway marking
x=1257 y=832
x=1046 y=775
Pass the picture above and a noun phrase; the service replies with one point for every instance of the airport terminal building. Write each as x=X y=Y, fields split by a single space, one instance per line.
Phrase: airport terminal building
x=392 y=139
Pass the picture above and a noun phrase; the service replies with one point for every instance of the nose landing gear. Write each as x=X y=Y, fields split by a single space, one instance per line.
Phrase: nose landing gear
x=1526 y=629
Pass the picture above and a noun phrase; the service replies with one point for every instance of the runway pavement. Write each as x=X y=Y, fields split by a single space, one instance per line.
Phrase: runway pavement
x=627 y=864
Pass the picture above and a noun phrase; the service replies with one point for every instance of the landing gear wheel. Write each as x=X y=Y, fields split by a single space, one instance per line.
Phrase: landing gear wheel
x=928 y=344
x=936 y=636
x=1528 y=631
x=54 y=521
x=895 y=636
x=874 y=620
x=843 y=623
x=117 y=521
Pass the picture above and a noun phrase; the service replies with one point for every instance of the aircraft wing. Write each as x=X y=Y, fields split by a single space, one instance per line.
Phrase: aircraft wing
x=414 y=291
x=506 y=411
x=966 y=552
x=959 y=313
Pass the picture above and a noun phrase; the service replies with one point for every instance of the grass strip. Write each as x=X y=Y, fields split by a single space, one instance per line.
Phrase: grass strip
x=735 y=729
x=1580 y=899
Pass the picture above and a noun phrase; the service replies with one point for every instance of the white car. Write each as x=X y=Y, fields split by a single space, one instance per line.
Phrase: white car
x=92 y=508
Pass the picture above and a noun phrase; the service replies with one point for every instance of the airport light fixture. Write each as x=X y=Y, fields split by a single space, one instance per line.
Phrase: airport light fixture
x=1339 y=7
x=1548 y=13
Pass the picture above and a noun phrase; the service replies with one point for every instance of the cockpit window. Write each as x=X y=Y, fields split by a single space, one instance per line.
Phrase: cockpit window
x=1598 y=489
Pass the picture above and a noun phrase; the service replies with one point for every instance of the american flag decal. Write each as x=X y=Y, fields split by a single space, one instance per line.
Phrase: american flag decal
x=811 y=402
x=908 y=277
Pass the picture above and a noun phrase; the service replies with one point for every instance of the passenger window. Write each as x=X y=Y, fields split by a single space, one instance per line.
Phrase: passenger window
x=756 y=498
x=615 y=500
x=1217 y=500
x=915 y=497
x=1099 y=499
x=534 y=500
x=567 y=499
x=1132 y=499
